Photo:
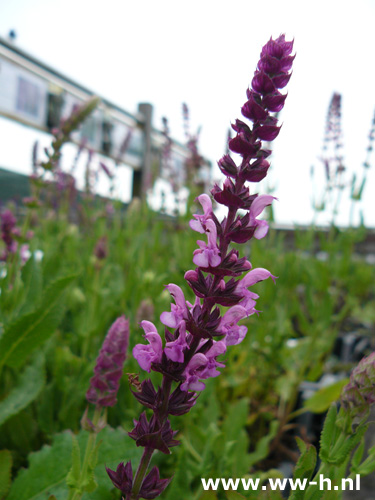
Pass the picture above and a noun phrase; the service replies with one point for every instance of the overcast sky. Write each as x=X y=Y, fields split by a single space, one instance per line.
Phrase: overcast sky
x=204 y=52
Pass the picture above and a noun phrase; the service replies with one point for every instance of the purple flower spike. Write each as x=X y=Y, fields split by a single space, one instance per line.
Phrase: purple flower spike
x=197 y=332
x=122 y=478
x=105 y=383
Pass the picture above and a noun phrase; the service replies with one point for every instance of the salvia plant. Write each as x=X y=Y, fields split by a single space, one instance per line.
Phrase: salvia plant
x=197 y=333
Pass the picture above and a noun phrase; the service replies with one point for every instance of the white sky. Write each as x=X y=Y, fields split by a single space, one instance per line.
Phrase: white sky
x=204 y=52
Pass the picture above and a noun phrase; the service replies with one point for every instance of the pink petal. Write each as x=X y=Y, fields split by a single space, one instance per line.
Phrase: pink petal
x=206 y=203
x=196 y=225
x=233 y=315
x=200 y=259
x=260 y=203
x=148 y=327
x=177 y=294
x=261 y=229
x=255 y=275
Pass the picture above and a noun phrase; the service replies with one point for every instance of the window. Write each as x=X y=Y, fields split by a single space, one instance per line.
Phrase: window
x=28 y=97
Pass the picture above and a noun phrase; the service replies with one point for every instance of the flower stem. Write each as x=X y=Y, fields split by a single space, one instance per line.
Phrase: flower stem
x=76 y=494
x=141 y=472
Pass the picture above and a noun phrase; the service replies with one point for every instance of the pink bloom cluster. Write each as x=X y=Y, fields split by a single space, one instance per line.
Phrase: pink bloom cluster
x=196 y=334
x=11 y=236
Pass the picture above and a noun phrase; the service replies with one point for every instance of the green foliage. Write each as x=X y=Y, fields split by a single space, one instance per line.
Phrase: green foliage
x=29 y=386
x=5 y=472
x=242 y=422
x=304 y=468
x=31 y=330
x=328 y=433
x=48 y=467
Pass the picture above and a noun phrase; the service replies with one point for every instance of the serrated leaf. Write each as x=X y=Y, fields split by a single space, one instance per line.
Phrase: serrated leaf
x=351 y=442
x=29 y=331
x=72 y=479
x=28 y=388
x=48 y=467
x=322 y=399
x=327 y=433
x=5 y=471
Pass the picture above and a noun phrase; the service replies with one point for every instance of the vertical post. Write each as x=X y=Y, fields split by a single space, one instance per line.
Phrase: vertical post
x=140 y=177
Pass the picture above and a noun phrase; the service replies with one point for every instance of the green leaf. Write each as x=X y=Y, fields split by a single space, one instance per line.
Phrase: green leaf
x=368 y=465
x=32 y=281
x=357 y=456
x=180 y=484
x=5 y=471
x=49 y=467
x=322 y=399
x=348 y=446
x=302 y=446
x=304 y=469
x=327 y=433
x=29 y=331
x=233 y=495
x=262 y=446
x=236 y=419
x=208 y=495
x=29 y=386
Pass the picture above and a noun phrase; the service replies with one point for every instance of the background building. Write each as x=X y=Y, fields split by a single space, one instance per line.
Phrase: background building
x=34 y=98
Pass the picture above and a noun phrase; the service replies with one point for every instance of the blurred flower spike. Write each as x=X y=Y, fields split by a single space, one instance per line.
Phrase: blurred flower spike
x=105 y=383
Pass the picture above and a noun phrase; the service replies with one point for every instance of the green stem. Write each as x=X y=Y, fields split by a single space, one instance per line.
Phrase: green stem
x=76 y=494
x=141 y=472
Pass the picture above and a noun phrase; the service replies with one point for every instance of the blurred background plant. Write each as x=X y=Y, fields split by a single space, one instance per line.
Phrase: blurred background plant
x=327 y=195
